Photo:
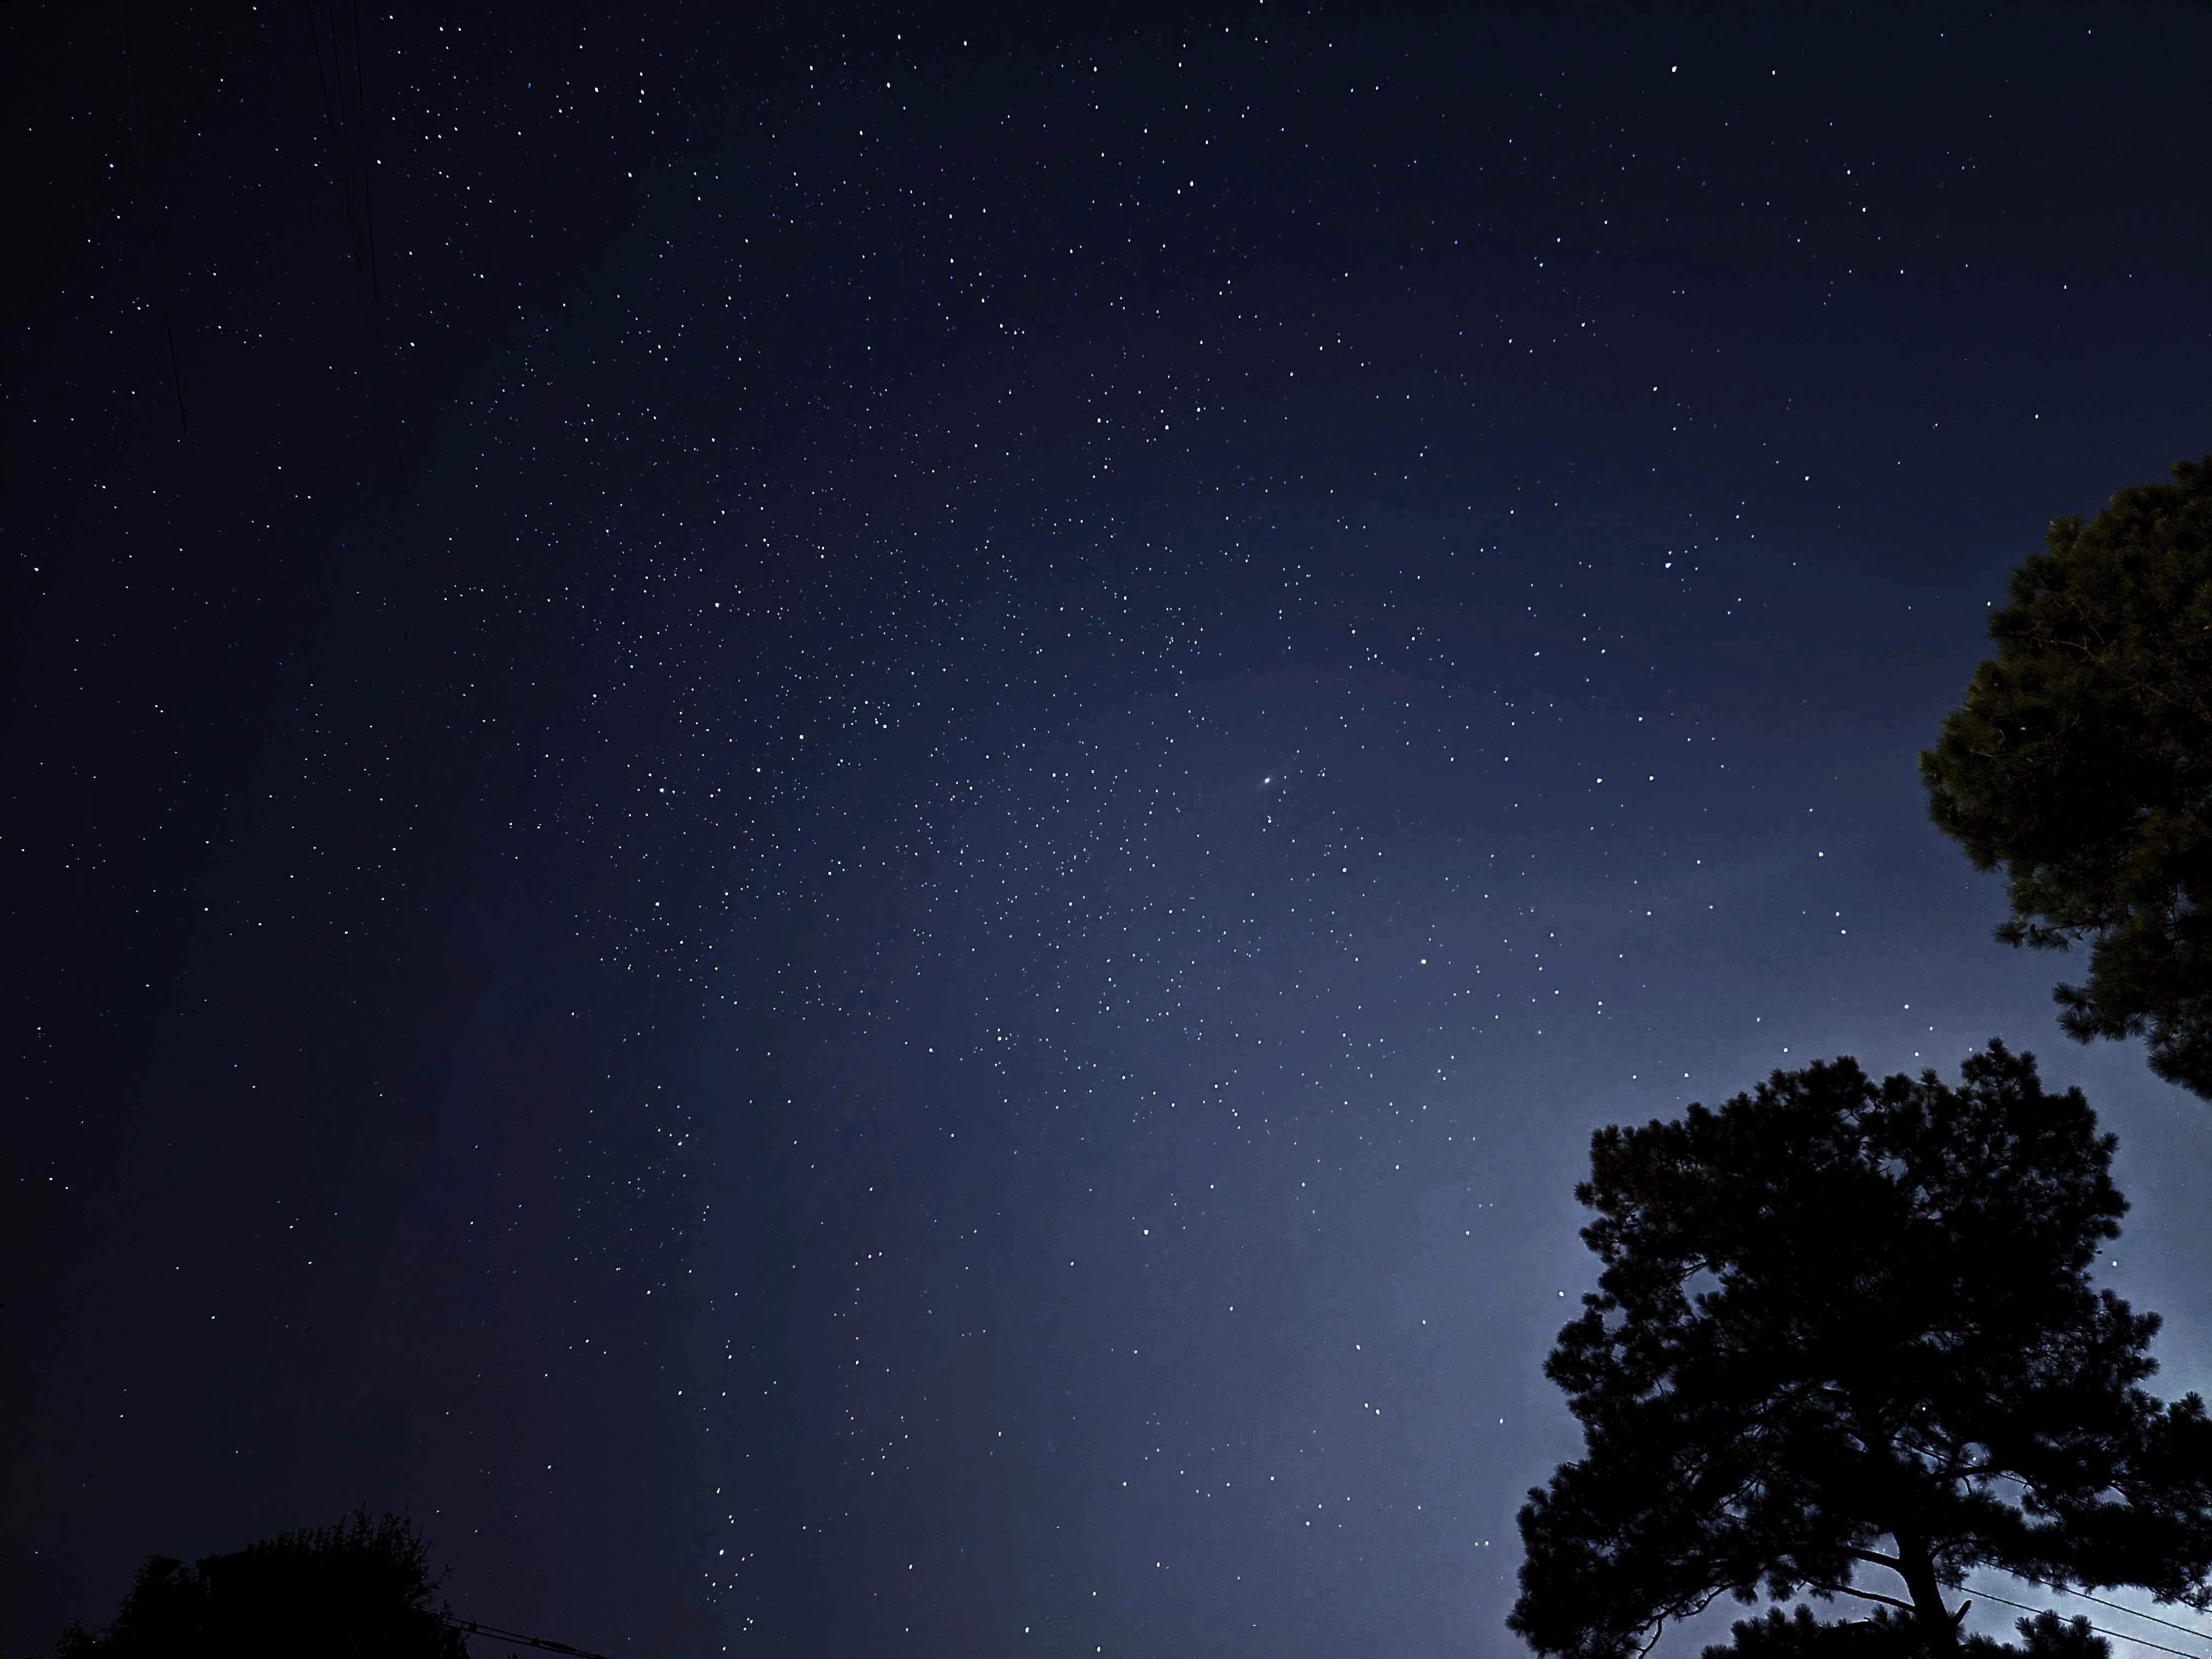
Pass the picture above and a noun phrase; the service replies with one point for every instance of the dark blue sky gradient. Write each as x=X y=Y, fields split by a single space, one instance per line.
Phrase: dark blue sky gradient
x=862 y=882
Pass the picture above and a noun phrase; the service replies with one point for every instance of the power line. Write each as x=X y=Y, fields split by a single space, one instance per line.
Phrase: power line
x=2116 y=1606
x=545 y=1644
x=2118 y=1635
x=333 y=90
x=367 y=139
x=2068 y=1589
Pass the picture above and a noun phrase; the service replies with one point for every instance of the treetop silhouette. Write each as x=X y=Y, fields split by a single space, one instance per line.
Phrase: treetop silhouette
x=360 y=1589
x=2081 y=761
x=1844 y=1342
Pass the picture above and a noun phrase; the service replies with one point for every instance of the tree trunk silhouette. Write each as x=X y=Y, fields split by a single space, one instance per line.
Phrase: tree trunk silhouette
x=1938 y=1629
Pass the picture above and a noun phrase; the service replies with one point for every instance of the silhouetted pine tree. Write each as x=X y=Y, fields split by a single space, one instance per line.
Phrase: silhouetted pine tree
x=1845 y=1327
x=2081 y=763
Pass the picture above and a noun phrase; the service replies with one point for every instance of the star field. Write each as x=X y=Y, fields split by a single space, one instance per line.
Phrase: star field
x=851 y=844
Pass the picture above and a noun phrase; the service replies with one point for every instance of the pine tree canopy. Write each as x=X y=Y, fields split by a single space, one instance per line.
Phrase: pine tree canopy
x=2081 y=763
x=1844 y=1342
x=1890 y=1635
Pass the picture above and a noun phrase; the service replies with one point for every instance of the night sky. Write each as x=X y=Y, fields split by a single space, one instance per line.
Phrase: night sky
x=839 y=824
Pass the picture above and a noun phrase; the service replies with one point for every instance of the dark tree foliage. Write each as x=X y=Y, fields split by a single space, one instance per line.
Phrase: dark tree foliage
x=1846 y=1329
x=360 y=1589
x=2081 y=763
x=1889 y=1635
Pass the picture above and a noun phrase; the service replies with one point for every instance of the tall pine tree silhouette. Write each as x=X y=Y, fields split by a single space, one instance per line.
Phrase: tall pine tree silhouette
x=1844 y=1343
x=2081 y=761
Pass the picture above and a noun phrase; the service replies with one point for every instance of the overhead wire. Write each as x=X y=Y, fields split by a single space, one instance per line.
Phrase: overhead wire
x=544 y=1644
x=2068 y=1589
x=2105 y=1601
x=332 y=85
x=2118 y=1635
x=368 y=169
